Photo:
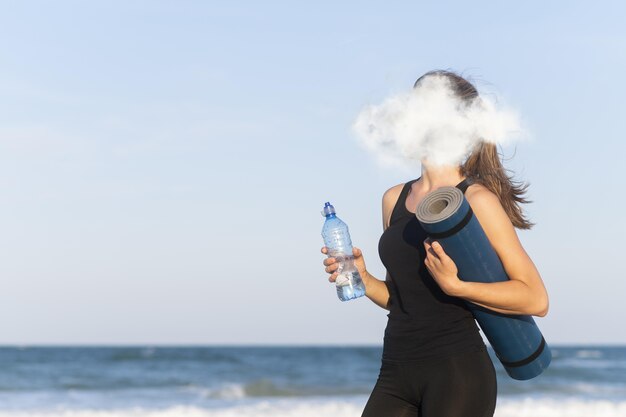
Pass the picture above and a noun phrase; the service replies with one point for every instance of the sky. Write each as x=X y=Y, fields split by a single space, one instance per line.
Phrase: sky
x=163 y=163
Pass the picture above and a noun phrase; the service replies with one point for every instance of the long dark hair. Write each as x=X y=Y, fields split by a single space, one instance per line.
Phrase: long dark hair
x=484 y=165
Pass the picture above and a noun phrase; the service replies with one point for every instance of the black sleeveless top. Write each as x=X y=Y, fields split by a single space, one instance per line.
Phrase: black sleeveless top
x=423 y=321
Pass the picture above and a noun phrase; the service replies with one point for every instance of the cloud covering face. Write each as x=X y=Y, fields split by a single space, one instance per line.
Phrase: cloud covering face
x=431 y=123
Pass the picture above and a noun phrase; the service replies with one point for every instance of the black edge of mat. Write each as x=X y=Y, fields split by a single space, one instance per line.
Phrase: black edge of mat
x=529 y=359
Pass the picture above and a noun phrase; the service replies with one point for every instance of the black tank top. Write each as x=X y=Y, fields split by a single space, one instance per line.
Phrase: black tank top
x=423 y=321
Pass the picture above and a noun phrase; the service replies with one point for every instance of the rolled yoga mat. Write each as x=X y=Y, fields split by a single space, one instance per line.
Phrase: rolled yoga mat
x=447 y=217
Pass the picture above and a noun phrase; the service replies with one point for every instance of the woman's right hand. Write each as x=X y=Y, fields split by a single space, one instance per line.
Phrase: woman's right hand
x=332 y=265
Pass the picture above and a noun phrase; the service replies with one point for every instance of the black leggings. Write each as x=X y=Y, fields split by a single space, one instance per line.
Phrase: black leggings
x=463 y=385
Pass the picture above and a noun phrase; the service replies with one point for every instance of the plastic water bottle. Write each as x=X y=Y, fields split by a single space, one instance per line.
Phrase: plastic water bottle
x=337 y=240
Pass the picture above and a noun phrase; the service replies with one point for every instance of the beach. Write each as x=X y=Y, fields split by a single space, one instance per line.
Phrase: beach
x=281 y=381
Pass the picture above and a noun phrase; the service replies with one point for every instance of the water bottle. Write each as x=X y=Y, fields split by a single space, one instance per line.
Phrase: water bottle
x=337 y=240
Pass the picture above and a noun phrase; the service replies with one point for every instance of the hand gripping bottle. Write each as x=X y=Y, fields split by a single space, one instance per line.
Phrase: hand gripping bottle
x=337 y=240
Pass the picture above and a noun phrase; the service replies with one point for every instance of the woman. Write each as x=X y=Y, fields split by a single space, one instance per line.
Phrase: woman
x=434 y=362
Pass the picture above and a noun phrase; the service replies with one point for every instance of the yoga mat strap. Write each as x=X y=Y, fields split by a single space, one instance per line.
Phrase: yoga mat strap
x=529 y=359
x=464 y=184
x=450 y=232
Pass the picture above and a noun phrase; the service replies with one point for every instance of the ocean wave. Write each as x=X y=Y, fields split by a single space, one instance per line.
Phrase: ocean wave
x=589 y=363
x=267 y=388
x=132 y=354
x=588 y=353
x=258 y=388
x=563 y=388
x=260 y=409
x=529 y=407
x=170 y=355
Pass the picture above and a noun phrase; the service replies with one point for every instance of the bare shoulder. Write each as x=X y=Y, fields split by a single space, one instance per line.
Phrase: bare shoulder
x=482 y=197
x=492 y=216
x=390 y=197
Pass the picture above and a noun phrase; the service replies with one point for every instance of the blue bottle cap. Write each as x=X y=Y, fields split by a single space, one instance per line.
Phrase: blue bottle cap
x=328 y=209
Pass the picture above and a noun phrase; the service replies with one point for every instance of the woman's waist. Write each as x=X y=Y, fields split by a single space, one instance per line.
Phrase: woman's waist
x=413 y=341
x=431 y=330
x=425 y=326
x=415 y=354
x=429 y=314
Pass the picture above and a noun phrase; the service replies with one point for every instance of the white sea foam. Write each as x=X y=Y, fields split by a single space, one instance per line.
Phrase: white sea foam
x=588 y=353
x=530 y=407
x=234 y=391
x=259 y=409
x=229 y=392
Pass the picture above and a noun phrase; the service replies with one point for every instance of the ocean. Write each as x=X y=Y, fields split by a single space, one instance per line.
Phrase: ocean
x=229 y=381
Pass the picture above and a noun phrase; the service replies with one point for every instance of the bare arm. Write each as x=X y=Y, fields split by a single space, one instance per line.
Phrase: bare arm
x=375 y=289
x=523 y=293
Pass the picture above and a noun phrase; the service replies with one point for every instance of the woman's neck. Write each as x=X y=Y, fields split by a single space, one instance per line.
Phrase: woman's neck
x=437 y=176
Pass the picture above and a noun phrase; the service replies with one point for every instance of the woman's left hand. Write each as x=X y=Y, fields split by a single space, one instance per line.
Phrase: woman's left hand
x=441 y=267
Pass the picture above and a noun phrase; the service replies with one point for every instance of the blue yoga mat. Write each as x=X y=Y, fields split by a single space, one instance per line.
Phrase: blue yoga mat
x=447 y=217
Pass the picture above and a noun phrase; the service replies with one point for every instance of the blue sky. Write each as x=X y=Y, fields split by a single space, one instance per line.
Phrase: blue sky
x=163 y=163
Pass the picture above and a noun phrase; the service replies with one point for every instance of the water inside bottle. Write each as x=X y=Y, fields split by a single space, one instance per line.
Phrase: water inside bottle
x=349 y=285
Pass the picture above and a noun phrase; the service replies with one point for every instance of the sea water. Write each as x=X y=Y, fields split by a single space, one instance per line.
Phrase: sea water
x=229 y=381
